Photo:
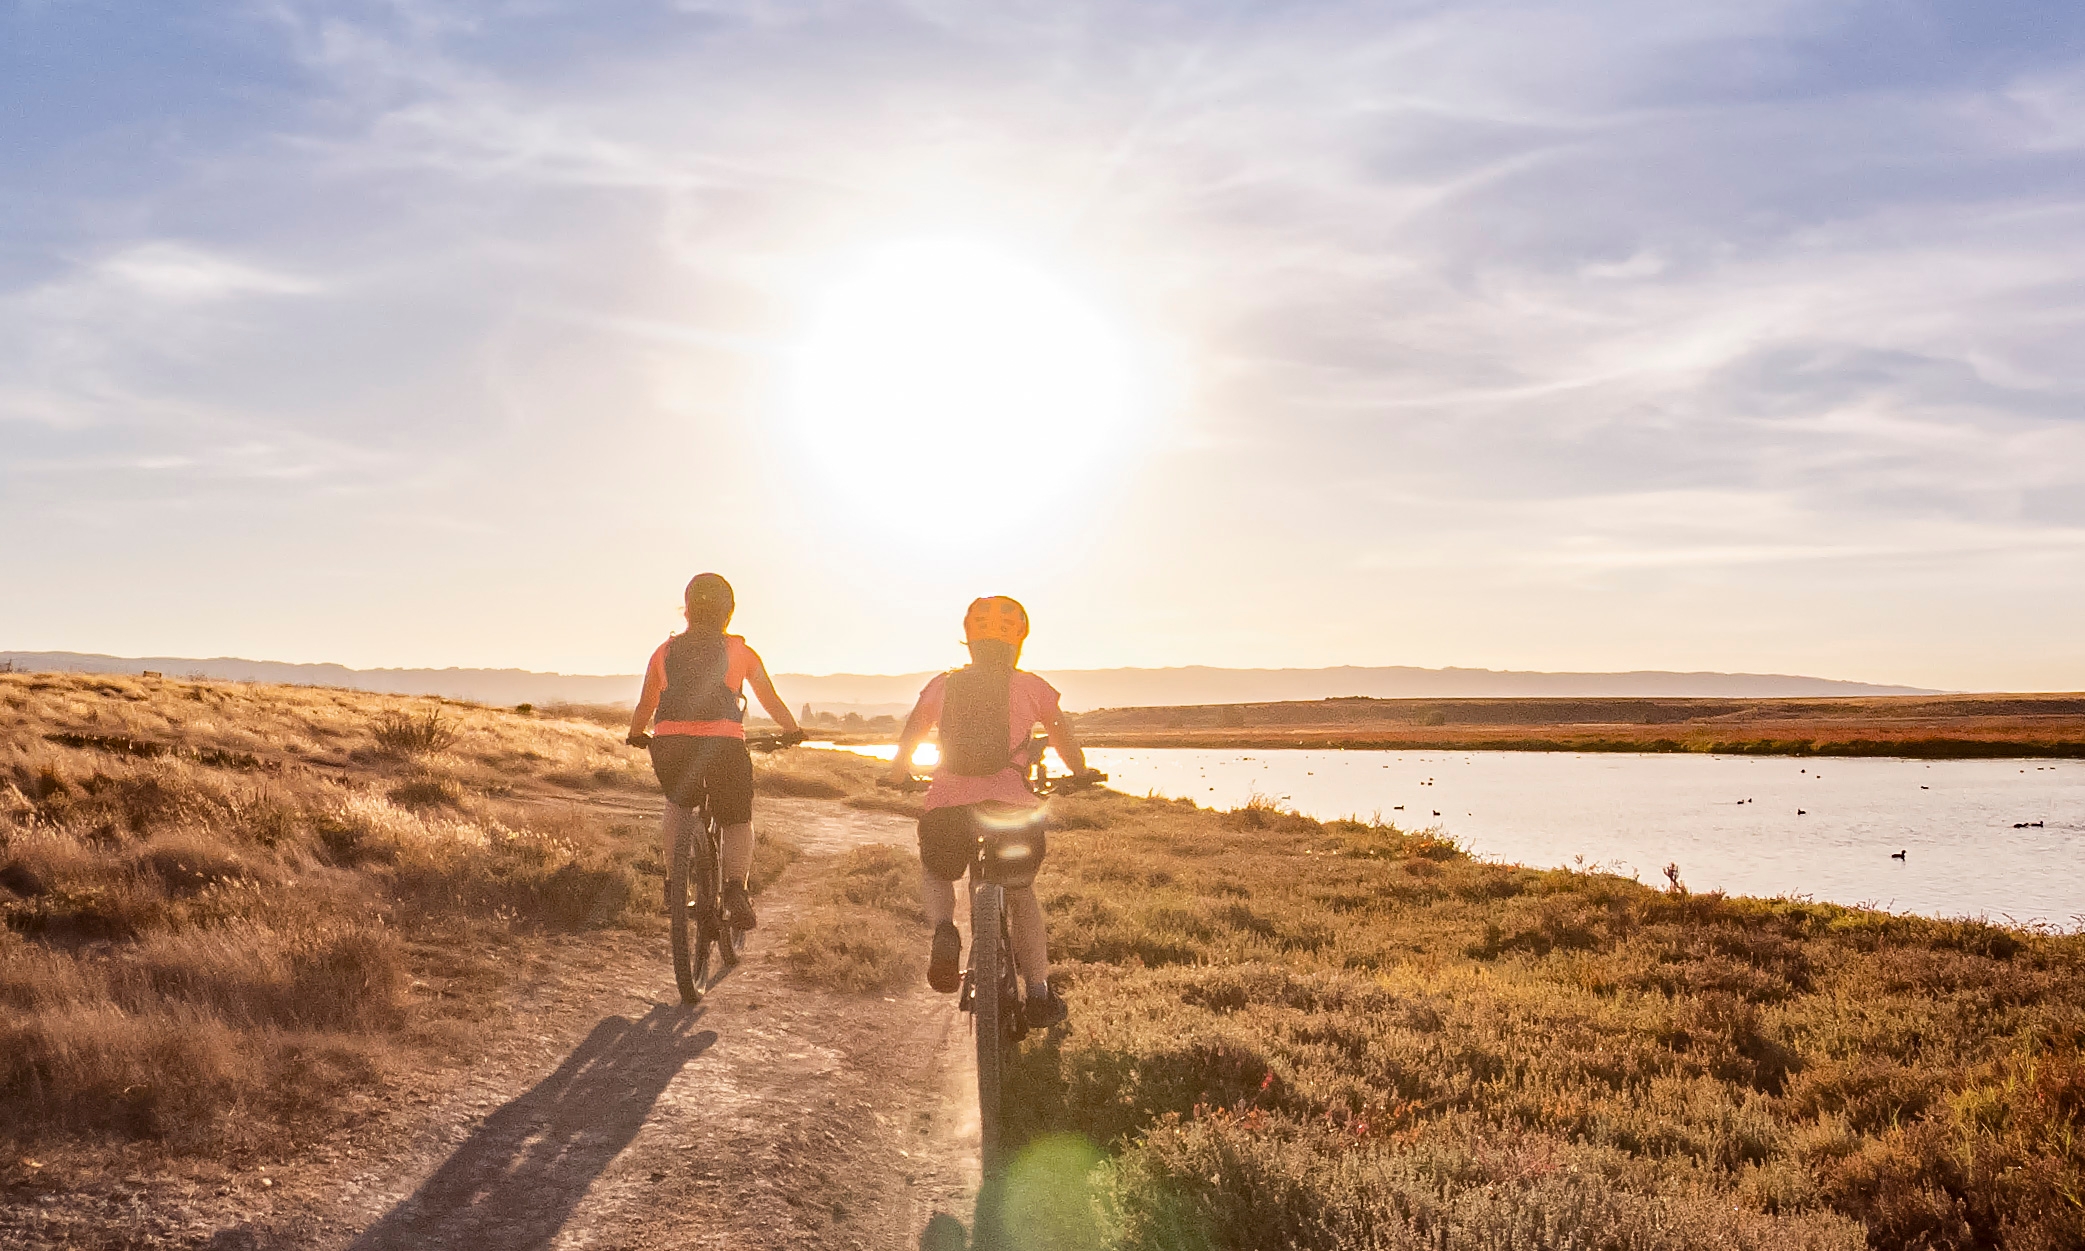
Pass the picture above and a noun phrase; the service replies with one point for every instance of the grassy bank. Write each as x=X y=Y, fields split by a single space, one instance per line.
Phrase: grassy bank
x=1338 y=1035
x=1925 y=727
x=226 y=909
x=1290 y=1033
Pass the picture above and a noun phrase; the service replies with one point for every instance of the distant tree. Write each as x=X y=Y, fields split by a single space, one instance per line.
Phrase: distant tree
x=804 y=717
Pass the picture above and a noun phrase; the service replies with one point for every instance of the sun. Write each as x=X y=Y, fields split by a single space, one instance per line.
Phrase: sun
x=948 y=372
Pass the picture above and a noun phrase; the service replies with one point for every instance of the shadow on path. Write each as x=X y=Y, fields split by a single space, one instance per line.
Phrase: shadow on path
x=516 y=1180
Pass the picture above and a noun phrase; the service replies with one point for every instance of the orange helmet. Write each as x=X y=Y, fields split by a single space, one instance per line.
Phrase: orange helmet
x=996 y=617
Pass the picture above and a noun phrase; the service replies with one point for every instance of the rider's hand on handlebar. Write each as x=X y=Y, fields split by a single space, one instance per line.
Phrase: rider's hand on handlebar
x=793 y=737
x=639 y=738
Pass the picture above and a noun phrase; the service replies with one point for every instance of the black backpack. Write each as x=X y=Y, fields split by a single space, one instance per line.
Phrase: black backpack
x=696 y=690
x=977 y=722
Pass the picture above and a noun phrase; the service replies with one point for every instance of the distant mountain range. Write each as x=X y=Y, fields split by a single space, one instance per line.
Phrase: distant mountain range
x=872 y=694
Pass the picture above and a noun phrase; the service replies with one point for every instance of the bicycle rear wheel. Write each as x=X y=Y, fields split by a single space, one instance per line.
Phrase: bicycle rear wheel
x=988 y=1008
x=709 y=903
x=680 y=923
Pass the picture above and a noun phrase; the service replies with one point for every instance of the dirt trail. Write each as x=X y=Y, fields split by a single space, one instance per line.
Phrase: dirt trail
x=769 y=1116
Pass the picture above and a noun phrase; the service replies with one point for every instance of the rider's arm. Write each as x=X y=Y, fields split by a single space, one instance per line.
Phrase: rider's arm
x=647 y=702
x=764 y=690
x=1058 y=726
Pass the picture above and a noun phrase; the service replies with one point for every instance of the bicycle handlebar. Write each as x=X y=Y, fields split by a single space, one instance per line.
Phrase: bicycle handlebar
x=754 y=742
x=1059 y=784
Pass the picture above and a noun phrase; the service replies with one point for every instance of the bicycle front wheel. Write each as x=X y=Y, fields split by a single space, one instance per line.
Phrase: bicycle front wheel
x=988 y=1008
x=680 y=924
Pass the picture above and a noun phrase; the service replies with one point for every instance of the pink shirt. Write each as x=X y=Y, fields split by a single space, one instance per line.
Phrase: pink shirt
x=1030 y=703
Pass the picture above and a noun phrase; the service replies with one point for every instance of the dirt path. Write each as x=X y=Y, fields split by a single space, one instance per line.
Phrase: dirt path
x=769 y=1116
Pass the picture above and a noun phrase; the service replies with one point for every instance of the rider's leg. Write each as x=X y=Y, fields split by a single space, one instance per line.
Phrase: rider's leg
x=937 y=898
x=678 y=821
x=1031 y=939
x=738 y=851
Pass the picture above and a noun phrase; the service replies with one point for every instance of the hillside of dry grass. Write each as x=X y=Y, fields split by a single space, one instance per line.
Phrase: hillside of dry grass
x=1928 y=726
x=228 y=911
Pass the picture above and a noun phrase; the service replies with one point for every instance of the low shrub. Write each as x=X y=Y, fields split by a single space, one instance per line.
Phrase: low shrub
x=408 y=735
x=864 y=930
x=427 y=792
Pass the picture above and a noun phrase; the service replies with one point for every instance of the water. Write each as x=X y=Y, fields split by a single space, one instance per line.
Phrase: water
x=1749 y=825
x=1731 y=823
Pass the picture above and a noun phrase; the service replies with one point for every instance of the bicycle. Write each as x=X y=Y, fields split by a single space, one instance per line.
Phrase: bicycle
x=700 y=923
x=991 y=988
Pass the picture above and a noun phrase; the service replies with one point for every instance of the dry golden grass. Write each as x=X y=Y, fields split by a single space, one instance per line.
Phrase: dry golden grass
x=865 y=930
x=1338 y=1035
x=223 y=905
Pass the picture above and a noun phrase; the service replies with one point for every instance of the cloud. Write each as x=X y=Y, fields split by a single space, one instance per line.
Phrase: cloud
x=179 y=273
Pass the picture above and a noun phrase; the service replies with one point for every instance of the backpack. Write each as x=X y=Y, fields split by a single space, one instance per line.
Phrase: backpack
x=977 y=722
x=697 y=667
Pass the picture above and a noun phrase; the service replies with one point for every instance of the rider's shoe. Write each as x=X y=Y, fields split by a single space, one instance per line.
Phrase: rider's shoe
x=737 y=908
x=944 y=971
x=1046 y=1009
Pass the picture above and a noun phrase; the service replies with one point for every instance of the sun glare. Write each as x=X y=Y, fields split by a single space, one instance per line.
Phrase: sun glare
x=939 y=371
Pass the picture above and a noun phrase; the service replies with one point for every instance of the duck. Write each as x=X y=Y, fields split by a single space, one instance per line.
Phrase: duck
x=1896 y=855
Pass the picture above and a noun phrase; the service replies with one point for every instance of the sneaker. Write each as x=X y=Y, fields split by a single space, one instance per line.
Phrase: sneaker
x=1046 y=1009
x=943 y=966
x=737 y=908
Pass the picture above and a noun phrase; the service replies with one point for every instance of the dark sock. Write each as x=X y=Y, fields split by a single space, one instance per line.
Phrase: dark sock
x=1039 y=990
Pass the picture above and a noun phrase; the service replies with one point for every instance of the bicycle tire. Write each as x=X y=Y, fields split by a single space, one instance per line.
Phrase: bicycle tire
x=677 y=922
x=709 y=904
x=987 y=1011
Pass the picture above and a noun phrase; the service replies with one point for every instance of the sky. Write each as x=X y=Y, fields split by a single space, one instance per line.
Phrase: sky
x=1612 y=335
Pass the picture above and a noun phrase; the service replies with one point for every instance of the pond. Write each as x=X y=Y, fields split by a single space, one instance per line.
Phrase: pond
x=2003 y=839
x=1997 y=838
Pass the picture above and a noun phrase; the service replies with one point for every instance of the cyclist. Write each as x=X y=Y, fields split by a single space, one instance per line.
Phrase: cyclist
x=986 y=711
x=694 y=686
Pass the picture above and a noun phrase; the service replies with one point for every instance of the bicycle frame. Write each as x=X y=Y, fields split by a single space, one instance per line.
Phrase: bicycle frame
x=991 y=987
x=697 y=861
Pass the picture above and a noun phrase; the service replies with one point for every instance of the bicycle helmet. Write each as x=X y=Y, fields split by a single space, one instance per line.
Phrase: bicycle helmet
x=998 y=617
x=709 y=600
